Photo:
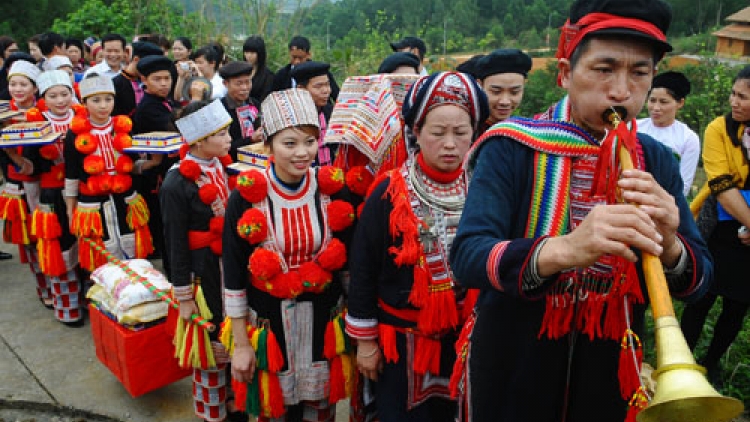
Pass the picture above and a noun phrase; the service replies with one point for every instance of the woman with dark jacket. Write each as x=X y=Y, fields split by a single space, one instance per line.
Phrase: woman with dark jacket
x=254 y=52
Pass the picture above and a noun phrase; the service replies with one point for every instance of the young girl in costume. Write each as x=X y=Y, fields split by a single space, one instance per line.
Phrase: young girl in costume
x=20 y=194
x=283 y=252
x=404 y=306
x=104 y=210
x=193 y=198
x=56 y=249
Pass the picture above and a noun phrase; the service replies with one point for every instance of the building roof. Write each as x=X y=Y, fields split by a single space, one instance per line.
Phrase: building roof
x=735 y=32
x=743 y=16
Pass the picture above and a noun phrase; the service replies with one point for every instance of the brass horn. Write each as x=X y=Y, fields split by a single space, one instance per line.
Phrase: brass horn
x=682 y=392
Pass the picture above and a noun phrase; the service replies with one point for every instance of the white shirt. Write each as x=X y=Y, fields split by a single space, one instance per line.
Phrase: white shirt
x=218 y=90
x=102 y=69
x=682 y=141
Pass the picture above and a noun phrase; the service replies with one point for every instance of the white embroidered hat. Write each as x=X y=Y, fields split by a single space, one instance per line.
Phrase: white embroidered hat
x=52 y=78
x=56 y=62
x=204 y=122
x=98 y=84
x=288 y=108
x=24 y=68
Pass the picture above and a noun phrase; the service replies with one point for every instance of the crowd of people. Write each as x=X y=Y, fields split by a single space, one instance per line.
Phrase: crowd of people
x=478 y=277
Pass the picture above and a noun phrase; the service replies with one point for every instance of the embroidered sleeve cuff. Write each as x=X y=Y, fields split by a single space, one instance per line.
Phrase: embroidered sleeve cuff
x=721 y=183
x=363 y=329
x=183 y=293
x=493 y=262
x=71 y=188
x=235 y=303
x=682 y=263
x=531 y=278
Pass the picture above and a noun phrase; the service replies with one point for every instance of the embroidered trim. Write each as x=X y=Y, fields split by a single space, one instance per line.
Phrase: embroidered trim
x=496 y=254
x=721 y=183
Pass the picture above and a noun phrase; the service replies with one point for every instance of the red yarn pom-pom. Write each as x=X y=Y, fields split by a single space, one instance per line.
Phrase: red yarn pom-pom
x=340 y=215
x=333 y=257
x=184 y=149
x=232 y=182
x=121 y=183
x=100 y=184
x=122 y=124
x=190 y=169
x=216 y=225
x=80 y=124
x=122 y=141
x=252 y=185
x=79 y=110
x=124 y=164
x=314 y=278
x=208 y=193
x=93 y=164
x=359 y=179
x=34 y=115
x=264 y=264
x=330 y=180
x=289 y=285
x=85 y=143
x=225 y=160
x=49 y=152
x=252 y=226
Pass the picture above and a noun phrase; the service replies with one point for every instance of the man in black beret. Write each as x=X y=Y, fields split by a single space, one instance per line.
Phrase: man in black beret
x=469 y=67
x=245 y=110
x=502 y=76
x=400 y=62
x=314 y=78
x=554 y=228
x=128 y=87
x=414 y=46
x=154 y=114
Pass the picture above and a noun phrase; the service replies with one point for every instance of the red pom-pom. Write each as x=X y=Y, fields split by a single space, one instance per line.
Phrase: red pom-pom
x=208 y=193
x=330 y=180
x=41 y=105
x=314 y=278
x=264 y=264
x=333 y=257
x=124 y=164
x=34 y=115
x=226 y=160
x=340 y=215
x=216 y=225
x=85 y=143
x=100 y=184
x=190 y=169
x=122 y=124
x=49 y=152
x=122 y=141
x=93 y=164
x=252 y=226
x=121 y=183
x=80 y=124
x=232 y=182
x=79 y=110
x=359 y=179
x=184 y=149
x=287 y=285
x=252 y=185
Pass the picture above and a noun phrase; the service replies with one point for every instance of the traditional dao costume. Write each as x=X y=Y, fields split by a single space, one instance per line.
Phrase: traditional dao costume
x=564 y=347
x=109 y=213
x=402 y=289
x=302 y=73
x=20 y=196
x=193 y=199
x=284 y=253
x=56 y=245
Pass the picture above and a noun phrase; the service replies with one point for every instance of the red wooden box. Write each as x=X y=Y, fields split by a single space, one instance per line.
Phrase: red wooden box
x=142 y=360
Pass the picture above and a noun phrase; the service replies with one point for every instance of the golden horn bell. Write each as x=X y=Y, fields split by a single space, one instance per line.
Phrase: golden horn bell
x=682 y=392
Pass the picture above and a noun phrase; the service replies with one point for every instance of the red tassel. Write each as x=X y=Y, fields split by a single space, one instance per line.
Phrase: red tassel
x=420 y=287
x=276 y=397
x=628 y=371
x=273 y=351
x=427 y=355
x=439 y=312
x=403 y=223
x=387 y=336
x=337 y=381
x=638 y=402
x=462 y=354
x=202 y=354
x=470 y=301
x=329 y=342
x=240 y=395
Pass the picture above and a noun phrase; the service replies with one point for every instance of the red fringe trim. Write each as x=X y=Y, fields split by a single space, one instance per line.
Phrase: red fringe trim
x=46 y=228
x=403 y=222
x=426 y=355
x=458 y=375
x=387 y=337
x=628 y=371
x=137 y=218
x=240 y=394
x=17 y=222
x=337 y=381
x=87 y=224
